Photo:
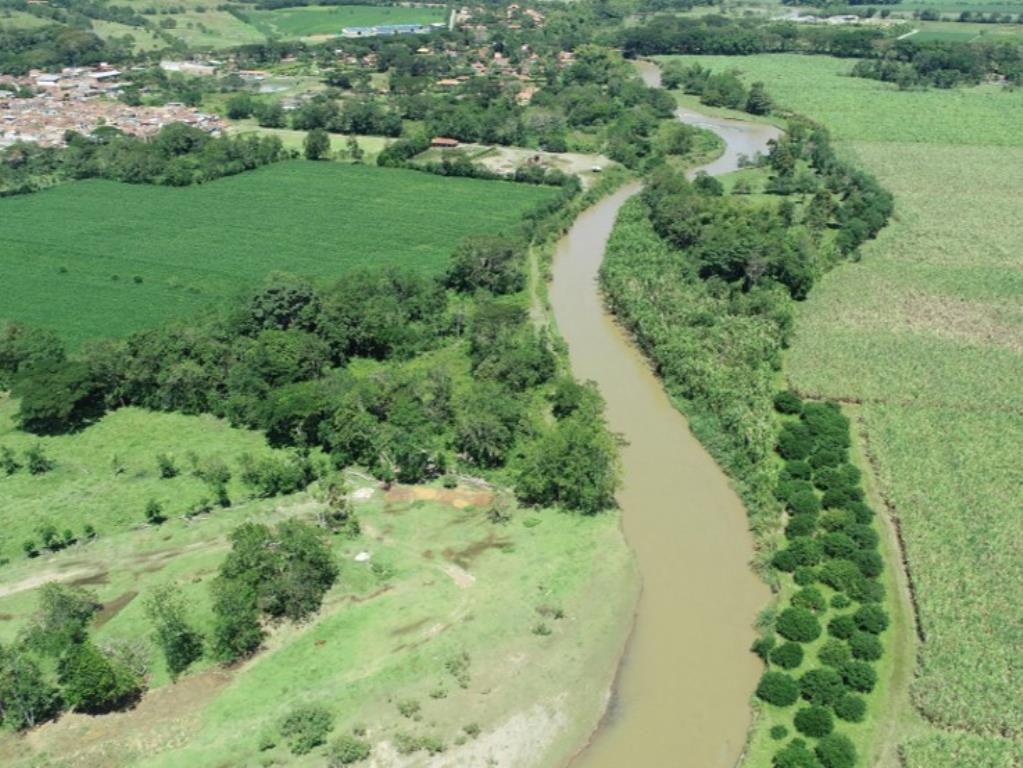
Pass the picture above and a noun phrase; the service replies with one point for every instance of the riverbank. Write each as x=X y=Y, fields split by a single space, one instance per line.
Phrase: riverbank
x=685 y=523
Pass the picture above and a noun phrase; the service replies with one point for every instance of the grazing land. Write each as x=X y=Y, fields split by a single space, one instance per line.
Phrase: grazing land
x=497 y=639
x=925 y=332
x=330 y=20
x=116 y=257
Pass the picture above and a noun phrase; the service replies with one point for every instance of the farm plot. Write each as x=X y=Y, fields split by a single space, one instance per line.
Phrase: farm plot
x=99 y=259
x=926 y=331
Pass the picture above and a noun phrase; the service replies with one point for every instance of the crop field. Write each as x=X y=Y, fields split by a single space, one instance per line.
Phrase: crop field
x=327 y=20
x=442 y=583
x=98 y=258
x=927 y=332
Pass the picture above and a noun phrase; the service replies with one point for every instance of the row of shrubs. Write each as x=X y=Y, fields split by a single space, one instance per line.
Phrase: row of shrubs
x=831 y=546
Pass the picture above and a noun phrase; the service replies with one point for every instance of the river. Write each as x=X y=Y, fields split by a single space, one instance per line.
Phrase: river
x=682 y=693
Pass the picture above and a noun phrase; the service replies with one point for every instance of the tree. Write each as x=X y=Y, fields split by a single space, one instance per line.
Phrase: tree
x=236 y=629
x=851 y=708
x=865 y=646
x=491 y=262
x=799 y=625
x=26 y=698
x=94 y=683
x=794 y=755
x=871 y=618
x=814 y=721
x=240 y=106
x=788 y=402
x=859 y=676
x=822 y=686
x=787 y=655
x=574 y=464
x=778 y=689
x=57 y=397
x=836 y=751
x=62 y=618
x=270 y=115
x=316 y=144
x=181 y=644
x=758 y=102
x=355 y=152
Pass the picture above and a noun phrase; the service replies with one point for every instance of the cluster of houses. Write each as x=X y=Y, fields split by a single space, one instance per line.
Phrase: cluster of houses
x=81 y=99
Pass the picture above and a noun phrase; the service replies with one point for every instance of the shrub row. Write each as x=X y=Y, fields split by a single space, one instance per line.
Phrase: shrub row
x=830 y=545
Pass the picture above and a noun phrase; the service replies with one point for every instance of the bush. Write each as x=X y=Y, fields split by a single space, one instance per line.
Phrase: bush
x=800 y=525
x=779 y=732
x=822 y=686
x=871 y=618
x=814 y=721
x=786 y=489
x=306 y=727
x=778 y=689
x=834 y=653
x=38 y=463
x=863 y=513
x=165 y=465
x=804 y=503
x=762 y=646
x=788 y=402
x=787 y=655
x=794 y=755
x=809 y=598
x=347 y=750
x=8 y=463
x=838 y=545
x=837 y=519
x=836 y=751
x=840 y=575
x=865 y=646
x=794 y=441
x=864 y=536
x=840 y=601
x=869 y=562
x=797 y=470
x=859 y=676
x=851 y=708
x=866 y=590
x=826 y=457
x=840 y=497
x=804 y=576
x=154 y=512
x=842 y=627
x=799 y=625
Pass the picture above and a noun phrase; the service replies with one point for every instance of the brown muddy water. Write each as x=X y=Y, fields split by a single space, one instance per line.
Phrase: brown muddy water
x=682 y=694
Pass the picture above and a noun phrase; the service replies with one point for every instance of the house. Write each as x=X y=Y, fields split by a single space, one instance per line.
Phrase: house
x=442 y=142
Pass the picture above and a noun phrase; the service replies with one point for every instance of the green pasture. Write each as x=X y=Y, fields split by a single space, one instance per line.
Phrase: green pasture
x=98 y=258
x=442 y=582
x=330 y=20
x=926 y=331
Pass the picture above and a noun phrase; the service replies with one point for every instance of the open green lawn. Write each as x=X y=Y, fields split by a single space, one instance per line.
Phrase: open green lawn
x=70 y=255
x=927 y=331
x=442 y=583
x=329 y=20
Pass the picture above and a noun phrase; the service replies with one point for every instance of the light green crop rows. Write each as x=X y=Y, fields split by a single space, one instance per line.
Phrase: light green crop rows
x=70 y=255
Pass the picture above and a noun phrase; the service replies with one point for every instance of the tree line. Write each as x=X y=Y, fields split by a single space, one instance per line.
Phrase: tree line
x=907 y=61
x=178 y=155
x=460 y=377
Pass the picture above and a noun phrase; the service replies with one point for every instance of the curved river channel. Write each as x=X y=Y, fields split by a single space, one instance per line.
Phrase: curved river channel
x=682 y=694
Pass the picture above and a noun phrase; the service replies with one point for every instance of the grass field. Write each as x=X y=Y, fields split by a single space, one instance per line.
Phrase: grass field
x=70 y=255
x=329 y=20
x=926 y=331
x=442 y=581
x=960 y=32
